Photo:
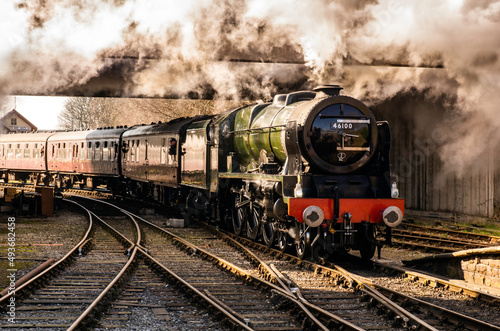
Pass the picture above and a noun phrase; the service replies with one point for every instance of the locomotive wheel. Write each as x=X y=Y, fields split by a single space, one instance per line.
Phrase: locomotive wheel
x=303 y=247
x=269 y=233
x=283 y=241
x=253 y=222
x=238 y=217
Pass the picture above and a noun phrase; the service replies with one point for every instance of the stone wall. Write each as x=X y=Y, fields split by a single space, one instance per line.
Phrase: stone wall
x=483 y=270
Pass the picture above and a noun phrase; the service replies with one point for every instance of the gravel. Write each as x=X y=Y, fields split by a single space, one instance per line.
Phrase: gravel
x=39 y=239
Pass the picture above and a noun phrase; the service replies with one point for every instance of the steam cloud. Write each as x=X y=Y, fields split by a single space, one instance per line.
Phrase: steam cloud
x=183 y=49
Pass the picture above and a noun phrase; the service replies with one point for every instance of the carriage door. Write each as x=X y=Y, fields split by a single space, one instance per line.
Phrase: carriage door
x=194 y=156
x=2 y=155
x=74 y=157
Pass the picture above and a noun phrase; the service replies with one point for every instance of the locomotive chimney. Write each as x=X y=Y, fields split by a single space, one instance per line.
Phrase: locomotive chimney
x=324 y=91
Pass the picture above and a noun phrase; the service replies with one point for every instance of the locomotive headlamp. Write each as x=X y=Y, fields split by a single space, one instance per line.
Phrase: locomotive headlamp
x=313 y=216
x=297 y=191
x=394 y=190
x=392 y=216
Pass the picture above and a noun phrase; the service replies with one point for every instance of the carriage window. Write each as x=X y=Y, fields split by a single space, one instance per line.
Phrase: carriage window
x=82 y=151
x=163 y=152
x=112 y=151
x=36 y=151
x=53 y=151
x=125 y=149
x=75 y=151
x=132 y=151
x=18 y=151
x=27 y=151
x=137 y=152
x=146 y=152
x=89 y=151
x=59 y=151
x=10 y=155
x=97 y=151
x=105 y=151
x=172 y=150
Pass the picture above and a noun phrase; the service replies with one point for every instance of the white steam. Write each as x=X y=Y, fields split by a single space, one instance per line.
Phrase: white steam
x=184 y=49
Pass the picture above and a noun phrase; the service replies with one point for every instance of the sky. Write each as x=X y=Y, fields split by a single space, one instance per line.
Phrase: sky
x=41 y=111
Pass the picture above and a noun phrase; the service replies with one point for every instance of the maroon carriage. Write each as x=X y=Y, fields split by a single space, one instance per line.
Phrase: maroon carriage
x=88 y=158
x=151 y=158
x=23 y=156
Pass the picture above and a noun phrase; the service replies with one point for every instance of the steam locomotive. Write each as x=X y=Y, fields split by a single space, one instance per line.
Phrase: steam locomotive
x=309 y=170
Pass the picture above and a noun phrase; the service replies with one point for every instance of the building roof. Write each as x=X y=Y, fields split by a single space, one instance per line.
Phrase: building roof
x=18 y=115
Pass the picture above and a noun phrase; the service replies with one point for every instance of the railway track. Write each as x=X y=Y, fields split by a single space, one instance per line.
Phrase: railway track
x=339 y=304
x=75 y=292
x=429 y=316
x=37 y=242
x=71 y=292
x=205 y=280
x=190 y=267
x=480 y=293
x=439 y=240
x=150 y=308
x=224 y=278
x=434 y=316
x=254 y=308
x=454 y=234
x=28 y=187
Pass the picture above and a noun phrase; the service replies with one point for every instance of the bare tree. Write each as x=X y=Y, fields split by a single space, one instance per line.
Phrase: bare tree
x=165 y=110
x=87 y=113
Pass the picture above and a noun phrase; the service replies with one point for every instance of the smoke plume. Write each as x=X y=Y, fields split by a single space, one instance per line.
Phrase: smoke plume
x=233 y=49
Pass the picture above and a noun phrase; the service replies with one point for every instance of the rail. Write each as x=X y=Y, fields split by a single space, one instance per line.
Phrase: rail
x=86 y=315
x=20 y=291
